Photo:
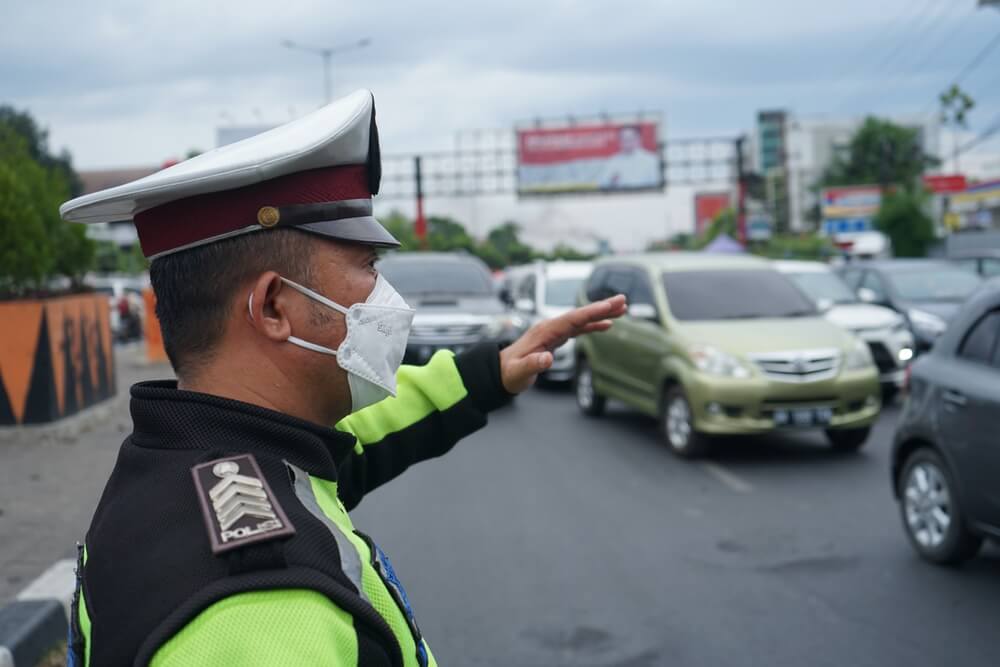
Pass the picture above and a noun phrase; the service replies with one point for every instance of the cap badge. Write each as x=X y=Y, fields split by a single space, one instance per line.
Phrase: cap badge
x=268 y=216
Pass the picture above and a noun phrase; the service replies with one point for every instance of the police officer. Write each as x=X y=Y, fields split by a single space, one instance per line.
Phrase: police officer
x=223 y=535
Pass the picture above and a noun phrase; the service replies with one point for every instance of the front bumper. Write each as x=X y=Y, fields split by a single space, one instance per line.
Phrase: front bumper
x=728 y=406
x=892 y=351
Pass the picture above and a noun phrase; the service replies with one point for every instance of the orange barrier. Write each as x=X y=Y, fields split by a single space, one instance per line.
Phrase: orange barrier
x=56 y=357
x=154 y=338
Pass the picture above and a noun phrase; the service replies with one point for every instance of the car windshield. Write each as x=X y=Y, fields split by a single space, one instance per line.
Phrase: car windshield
x=734 y=294
x=824 y=286
x=934 y=284
x=562 y=291
x=448 y=277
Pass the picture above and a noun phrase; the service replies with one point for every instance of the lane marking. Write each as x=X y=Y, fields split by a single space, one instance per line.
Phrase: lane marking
x=729 y=479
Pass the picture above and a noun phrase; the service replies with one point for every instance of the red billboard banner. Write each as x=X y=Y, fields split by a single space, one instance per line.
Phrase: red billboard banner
x=608 y=157
x=707 y=205
x=945 y=183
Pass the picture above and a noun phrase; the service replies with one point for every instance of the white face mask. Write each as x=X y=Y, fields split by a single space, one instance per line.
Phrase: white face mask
x=373 y=348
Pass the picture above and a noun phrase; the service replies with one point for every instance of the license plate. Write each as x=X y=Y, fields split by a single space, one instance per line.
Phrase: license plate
x=803 y=417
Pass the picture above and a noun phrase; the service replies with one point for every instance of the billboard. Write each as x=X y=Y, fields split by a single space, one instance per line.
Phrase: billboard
x=849 y=209
x=707 y=205
x=606 y=157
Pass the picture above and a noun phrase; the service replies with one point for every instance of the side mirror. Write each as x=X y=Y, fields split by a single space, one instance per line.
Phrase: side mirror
x=643 y=311
x=525 y=305
x=824 y=305
x=504 y=295
x=867 y=295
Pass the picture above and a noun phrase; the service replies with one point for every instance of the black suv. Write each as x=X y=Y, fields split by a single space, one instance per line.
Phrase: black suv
x=455 y=299
x=946 y=455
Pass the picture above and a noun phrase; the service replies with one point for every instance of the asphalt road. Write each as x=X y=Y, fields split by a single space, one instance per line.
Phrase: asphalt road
x=550 y=539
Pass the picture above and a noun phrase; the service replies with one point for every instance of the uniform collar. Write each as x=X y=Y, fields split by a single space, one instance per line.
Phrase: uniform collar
x=166 y=417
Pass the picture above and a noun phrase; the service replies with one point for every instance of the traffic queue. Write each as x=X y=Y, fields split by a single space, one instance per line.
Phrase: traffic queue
x=732 y=345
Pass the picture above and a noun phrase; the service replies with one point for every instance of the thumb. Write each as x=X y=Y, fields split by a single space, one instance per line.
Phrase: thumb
x=523 y=371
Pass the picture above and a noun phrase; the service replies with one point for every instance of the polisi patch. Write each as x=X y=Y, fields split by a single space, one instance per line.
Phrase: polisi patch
x=237 y=503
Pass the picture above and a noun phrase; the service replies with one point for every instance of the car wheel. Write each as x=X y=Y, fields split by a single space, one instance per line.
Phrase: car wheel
x=590 y=402
x=889 y=394
x=931 y=512
x=848 y=439
x=677 y=422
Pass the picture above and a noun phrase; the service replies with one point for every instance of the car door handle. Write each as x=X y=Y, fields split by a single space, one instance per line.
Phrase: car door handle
x=955 y=398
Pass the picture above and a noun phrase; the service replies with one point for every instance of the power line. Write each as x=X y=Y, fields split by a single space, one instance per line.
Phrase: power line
x=976 y=61
x=984 y=136
x=903 y=31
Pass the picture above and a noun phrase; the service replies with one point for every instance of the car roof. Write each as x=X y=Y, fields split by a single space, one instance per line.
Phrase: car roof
x=800 y=266
x=689 y=261
x=567 y=269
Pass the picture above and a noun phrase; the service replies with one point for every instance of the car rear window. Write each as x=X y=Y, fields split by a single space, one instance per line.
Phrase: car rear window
x=425 y=277
x=734 y=294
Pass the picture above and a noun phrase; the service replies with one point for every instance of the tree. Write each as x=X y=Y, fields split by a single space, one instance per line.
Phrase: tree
x=955 y=107
x=724 y=222
x=880 y=152
x=445 y=234
x=506 y=239
x=903 y=218
x=35 y=243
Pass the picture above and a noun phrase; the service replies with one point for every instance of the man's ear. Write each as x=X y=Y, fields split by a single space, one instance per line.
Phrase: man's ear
x=268 y=305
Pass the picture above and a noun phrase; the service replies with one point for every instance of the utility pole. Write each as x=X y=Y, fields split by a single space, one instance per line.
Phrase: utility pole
x=420 y=224
x=741 y=192
x=326 y=53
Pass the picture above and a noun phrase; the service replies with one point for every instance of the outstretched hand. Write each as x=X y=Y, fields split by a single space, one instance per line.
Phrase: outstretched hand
x=531 y=354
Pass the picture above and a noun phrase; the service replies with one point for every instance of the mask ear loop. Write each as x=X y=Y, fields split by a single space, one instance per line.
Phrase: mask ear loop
x=250 y=305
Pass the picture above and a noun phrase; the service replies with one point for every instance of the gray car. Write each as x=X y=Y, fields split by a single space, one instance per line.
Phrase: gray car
x=456 y=302
x=946 y=454
x=926 y=292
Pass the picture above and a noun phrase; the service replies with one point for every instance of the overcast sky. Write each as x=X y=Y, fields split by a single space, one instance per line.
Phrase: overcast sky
x=123 y=83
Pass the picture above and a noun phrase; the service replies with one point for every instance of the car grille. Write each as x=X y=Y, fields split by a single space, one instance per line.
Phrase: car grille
x=799 y=367
x=449 y=331
x=882 y=357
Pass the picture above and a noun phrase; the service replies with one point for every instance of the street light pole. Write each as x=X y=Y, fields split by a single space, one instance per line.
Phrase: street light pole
x=326 y=53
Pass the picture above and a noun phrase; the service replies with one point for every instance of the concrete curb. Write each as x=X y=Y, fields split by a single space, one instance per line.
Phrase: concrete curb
x=38 y=619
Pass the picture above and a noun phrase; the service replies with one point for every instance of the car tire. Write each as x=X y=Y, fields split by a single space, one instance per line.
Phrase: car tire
x=889 y=394
x=589 y=401
x=848 y=439
x=677 y=424
x=931 y=512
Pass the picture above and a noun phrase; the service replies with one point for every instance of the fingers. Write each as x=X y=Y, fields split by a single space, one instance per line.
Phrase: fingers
x=599 y=310
x=518 y=373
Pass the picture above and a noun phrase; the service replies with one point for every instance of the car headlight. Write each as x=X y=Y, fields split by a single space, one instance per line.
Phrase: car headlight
x=504 y=326
x=712 y=361
x=926 y=323
x=859 y=357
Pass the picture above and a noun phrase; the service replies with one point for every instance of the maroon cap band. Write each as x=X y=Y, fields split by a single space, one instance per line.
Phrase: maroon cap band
x=186 y=222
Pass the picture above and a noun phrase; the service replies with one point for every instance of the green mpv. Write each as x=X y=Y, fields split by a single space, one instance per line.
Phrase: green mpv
x=723 y=345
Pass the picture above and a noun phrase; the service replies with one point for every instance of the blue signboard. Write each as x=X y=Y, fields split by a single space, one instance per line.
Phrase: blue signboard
x=834 y=226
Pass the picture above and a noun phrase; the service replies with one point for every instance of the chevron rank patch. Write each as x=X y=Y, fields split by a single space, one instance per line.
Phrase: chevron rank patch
x=237 y=503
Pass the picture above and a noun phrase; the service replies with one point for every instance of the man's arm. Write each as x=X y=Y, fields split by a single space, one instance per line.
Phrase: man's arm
x=438 y=404
x=435 y=406
x=302 y=628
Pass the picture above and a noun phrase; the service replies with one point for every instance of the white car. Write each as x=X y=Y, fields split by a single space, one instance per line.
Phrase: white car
x=548 y=289
x=885 y=330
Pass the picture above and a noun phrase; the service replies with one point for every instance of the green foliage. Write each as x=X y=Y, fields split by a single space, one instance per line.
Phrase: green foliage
x=903 y=218
x=110 y=258
x=955 y=106
x=723 y=223
x=795 y=246
x=880 y=152
x=35 y=243
x=502 y=247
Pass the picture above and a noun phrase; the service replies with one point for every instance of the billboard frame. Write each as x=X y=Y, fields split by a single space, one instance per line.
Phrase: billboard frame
x=569 y=122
